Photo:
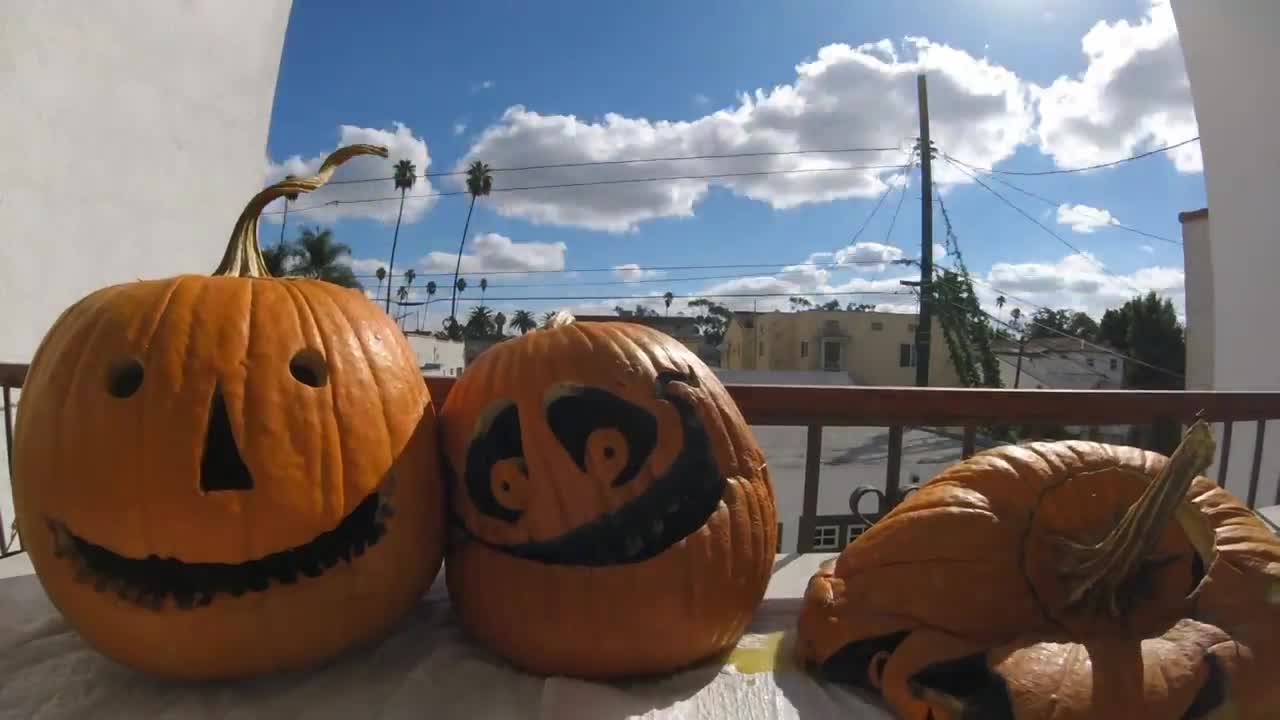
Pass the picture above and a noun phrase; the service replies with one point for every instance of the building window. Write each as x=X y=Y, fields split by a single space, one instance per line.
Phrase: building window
x=831 y=355
x=804 y=348
x=852 y=531
x=826 y=537
x=1089 y=362
x=877 y=325
x=906 y=355
x=1114 y=364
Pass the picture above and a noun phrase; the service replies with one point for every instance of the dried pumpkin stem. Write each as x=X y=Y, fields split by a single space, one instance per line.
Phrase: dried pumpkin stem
x=243 y=257
x=1100 y=571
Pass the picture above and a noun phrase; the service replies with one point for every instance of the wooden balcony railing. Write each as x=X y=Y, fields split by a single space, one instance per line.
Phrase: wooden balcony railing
x=899 y=408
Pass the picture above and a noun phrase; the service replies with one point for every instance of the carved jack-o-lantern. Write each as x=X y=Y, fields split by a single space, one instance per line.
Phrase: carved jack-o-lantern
x=615 y=512
x=228 y=475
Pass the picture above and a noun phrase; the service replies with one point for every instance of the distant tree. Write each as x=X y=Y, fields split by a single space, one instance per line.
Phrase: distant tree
x=638 y=311
x=381 y=274
x=484 y=288
x=319 y=256
x=799 y=303
x=1045 y=321
x=479 y=184
x=667 y=297
x=280 y=258
x=404 y=177
x=829 y=306
x=1146 y=329
x=1015 y=318
x=499 y=323
x=1000 y=301
x=860 y=307
x=1083 y=326
x=426 y=307
x=712 y=319
x=480 y=322
x=522 y=320
x=547 y=316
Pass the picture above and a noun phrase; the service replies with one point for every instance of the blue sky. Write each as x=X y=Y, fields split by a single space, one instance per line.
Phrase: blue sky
x=1023 y=85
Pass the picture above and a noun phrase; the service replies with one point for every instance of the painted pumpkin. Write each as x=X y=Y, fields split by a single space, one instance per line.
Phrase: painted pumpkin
x=615 y=515
x=229 y=475
x=1058 y=580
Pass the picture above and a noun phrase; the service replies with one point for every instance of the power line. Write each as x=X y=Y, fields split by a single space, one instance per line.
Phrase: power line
x=661 y=268
x=591 y=183
x=894 y=220
x=613 y=298
x=1067 y=171
x=1036 y=196
x=1044 y=227
x=887 y=190
x=1101 y=348
x=633 y=161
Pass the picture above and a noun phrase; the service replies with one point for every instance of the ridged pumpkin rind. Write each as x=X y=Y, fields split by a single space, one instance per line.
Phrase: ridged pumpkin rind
x=689 y=602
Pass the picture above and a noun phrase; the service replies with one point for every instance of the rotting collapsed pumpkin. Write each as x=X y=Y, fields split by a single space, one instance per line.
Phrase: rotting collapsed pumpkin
x=1058 y=580
x=614 y=514
x=229 y=475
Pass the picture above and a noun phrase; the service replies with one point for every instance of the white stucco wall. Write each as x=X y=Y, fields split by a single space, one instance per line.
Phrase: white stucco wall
x=131 y=136
x=1198 y=261
x=1231 y=53
x=448 y=354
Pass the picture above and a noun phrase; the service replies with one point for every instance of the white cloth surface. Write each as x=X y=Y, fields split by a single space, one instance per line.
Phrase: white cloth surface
x=427 y=668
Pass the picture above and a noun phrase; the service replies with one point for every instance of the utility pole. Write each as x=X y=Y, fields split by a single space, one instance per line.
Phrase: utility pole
x=1017 y=372
x=926 y=236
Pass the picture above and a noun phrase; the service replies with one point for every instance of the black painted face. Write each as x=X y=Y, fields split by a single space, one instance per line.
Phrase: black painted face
x=610 y=440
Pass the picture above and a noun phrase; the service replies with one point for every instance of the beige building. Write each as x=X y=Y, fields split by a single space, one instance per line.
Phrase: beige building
x=873 y=348
x=681 y=327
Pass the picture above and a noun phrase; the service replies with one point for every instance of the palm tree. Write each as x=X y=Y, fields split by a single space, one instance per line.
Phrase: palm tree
x=459 y=286
x=484 y=286
x=320 y=257
x=284 y=219
x=667 y=297
x=426 y=307
x=381 y=274
x=409 y=276
x=499 y=323
x=480 y=322
x=1000 y=301
x=277 y=258
x=546 y=317
x=1015 y=316
x=523 y=321
x=402 y=296
x=405 y=176
x=479 y=182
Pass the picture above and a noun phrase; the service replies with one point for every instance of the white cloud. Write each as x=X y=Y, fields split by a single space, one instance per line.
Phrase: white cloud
x=367 y=266
x=459 y=128
x=1146 y=249
x=483 y=85
x=701 y=99
x=1084 y=219
x=1133 y=96
x=632 y=272
x=868 y=255
x=491 y=252
x=847 y=97
x=1076 y=282
x=401 y=144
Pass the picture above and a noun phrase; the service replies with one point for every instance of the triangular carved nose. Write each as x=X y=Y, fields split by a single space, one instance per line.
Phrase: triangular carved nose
x=221 y=467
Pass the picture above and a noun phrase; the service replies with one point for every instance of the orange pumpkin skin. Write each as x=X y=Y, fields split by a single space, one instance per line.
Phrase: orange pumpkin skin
x=577 y=456
x=192 y=568
x=952 y=604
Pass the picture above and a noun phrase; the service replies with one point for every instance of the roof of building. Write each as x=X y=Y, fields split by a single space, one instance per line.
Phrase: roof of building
x=1055 y=344
x=657 y=321
x=1193 y=215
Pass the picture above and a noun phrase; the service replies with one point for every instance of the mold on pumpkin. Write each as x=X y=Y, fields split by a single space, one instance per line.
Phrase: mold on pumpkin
x=601 y=474
x=262 y=478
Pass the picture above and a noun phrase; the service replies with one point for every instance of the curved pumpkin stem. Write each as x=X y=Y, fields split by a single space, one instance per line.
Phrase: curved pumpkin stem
x=1099 y=571
x=243 y=257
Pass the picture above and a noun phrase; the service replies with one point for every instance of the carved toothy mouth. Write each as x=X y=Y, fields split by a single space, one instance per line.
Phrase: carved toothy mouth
x=153 y=580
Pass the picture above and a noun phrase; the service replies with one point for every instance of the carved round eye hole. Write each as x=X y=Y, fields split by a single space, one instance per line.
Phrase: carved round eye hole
x=124 y=377
x=308 y=368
